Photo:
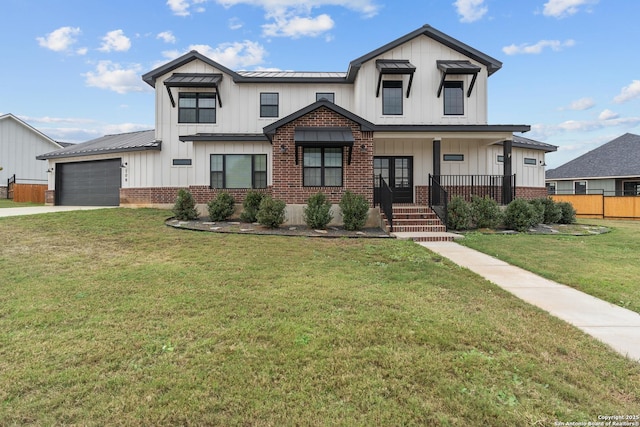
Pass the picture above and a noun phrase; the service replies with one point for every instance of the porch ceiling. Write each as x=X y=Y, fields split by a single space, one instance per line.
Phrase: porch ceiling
x=487 y=138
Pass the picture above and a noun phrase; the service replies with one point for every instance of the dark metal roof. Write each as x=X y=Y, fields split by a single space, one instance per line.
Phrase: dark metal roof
x=395 y=66
x=235 y=137
x=457 y=67
x=522 y=142
x=193 y=80
x=492 y=64
x=134 y=141
x=452 y=128
x=619 y=157
x=365 y=125
x=335 y=136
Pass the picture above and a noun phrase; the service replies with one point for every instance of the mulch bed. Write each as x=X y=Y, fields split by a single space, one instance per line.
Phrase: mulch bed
x=255 y=228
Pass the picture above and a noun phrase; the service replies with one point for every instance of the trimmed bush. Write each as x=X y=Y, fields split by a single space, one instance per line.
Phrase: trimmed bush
x=485 y=212
x=185 y=207
x=458 y=214
x=250 y=206
x=317 y=213
x=538 y=206
x=271 y=212
x=520 y=215
x=355 y=209
x=552 y=212
x=221 y=207
x=568 y=215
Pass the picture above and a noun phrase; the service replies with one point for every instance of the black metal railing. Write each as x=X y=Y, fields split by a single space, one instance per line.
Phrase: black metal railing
x=500 y=188
x=385 y=199
x=438 y=198
x=11 y=182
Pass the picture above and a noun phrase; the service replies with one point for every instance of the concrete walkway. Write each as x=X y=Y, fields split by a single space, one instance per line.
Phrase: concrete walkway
x=609 y=323
x=33 y=210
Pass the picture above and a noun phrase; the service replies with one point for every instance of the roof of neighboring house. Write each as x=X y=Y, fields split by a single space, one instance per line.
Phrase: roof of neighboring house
x=617 y=158
x=133 y=141
x=31 y=129
x=492 y=64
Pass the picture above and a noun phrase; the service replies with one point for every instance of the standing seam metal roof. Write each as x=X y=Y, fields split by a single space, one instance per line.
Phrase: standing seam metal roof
x=134 y=141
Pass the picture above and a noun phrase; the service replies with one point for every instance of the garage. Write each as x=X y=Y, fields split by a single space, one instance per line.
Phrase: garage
x=92 y=183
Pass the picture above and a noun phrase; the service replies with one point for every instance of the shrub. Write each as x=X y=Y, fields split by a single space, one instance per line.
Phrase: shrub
x=568 y=215
x=485 y=212
x=355 y=209
x=317 y=213
x=185 y=207
x=250 y=206
x=458 y=214
x=538 y=206
x=221 y=207
x=520 y=215
x=552 y=212
x=271 y=212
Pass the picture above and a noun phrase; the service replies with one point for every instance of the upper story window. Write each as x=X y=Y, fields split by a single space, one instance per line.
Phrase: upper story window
x=269 y=104
x=322 y=167
x=197 y=107
x=329 y=96
x=453 y=98
x=392 y=97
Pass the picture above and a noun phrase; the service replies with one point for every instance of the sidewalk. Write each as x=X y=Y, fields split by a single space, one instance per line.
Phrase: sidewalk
x=615 y=326
x=33 y=210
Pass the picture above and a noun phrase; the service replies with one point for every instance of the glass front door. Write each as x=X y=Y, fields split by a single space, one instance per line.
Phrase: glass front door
x=398 y=173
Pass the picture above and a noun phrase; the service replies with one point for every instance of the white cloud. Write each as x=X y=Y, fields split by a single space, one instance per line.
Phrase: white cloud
x=534 y=49
x=167 y=37
x=111 y=76
x=628 y=93
x=470 y=10
x=115 y=40
x=368 y=8
x=582 y=104
x=183 y=7
x=563 y=8
x=60 y=40
x=296 y=26
x=608 y=115
x=235 y=24
x=237 y=55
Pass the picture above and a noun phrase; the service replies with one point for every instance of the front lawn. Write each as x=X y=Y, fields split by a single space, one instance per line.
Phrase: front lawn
x=603 y=265
x=108 y=317
x=8 y=203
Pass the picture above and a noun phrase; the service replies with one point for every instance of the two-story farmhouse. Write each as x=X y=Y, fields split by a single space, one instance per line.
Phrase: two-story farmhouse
x=410 y=116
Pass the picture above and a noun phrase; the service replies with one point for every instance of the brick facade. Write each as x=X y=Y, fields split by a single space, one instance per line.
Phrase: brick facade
x=530 y=193
x=287 y=176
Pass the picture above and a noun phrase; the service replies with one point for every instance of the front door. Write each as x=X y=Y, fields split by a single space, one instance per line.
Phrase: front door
x=397 y=171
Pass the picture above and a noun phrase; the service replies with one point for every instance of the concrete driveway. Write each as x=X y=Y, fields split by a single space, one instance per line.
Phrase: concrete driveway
x=34 y=210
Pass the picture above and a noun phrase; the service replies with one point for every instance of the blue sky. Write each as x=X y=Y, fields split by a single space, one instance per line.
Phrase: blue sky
x=72 y=67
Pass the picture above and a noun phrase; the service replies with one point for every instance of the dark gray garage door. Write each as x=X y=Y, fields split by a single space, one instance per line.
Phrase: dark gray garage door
x=94 y=183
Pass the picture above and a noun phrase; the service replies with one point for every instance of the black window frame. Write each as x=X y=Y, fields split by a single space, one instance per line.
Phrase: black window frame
x=267 y=107
x=552 y=188
x=258 y=177
x=323 y=167
x=197 y=109
x=329 y=96
x=453 y=157
x=392 y=88
x=581 y=191
x=530 y=161
x=181 y=162
x=453 y=98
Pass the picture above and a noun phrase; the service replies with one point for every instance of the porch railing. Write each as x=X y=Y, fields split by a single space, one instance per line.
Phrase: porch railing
x=385 y=199
x=438 y=198
x=501 y=188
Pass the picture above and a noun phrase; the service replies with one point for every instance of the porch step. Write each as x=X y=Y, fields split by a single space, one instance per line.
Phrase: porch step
x=418 y=223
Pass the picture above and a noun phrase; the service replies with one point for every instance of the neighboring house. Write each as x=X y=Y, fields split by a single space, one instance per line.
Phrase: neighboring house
x=19 y=145
x=612 y=169
x=409 y=111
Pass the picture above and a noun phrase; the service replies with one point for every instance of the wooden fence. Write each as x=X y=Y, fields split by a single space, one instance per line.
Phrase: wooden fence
x=33 y=193
x=600 y=206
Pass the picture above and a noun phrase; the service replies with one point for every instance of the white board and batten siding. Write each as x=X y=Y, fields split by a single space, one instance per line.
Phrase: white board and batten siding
x=19 y=145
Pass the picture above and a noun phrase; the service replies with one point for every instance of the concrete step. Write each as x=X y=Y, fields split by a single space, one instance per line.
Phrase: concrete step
x=427 y=236
x=418 y=228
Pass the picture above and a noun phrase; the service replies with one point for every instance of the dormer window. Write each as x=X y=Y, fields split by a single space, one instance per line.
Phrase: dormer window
x=392 y=97
x=453 y=98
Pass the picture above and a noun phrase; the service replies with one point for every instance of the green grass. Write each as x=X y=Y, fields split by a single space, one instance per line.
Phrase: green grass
x=8 y=203
x=109 y=317
x=605 y=266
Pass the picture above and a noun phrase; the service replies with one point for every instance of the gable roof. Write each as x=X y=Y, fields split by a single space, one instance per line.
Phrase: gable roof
x=365 y=125
x=133 y=141
x=30 y=129
x=617 y=158
x=492 y=64
x=522 y=142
